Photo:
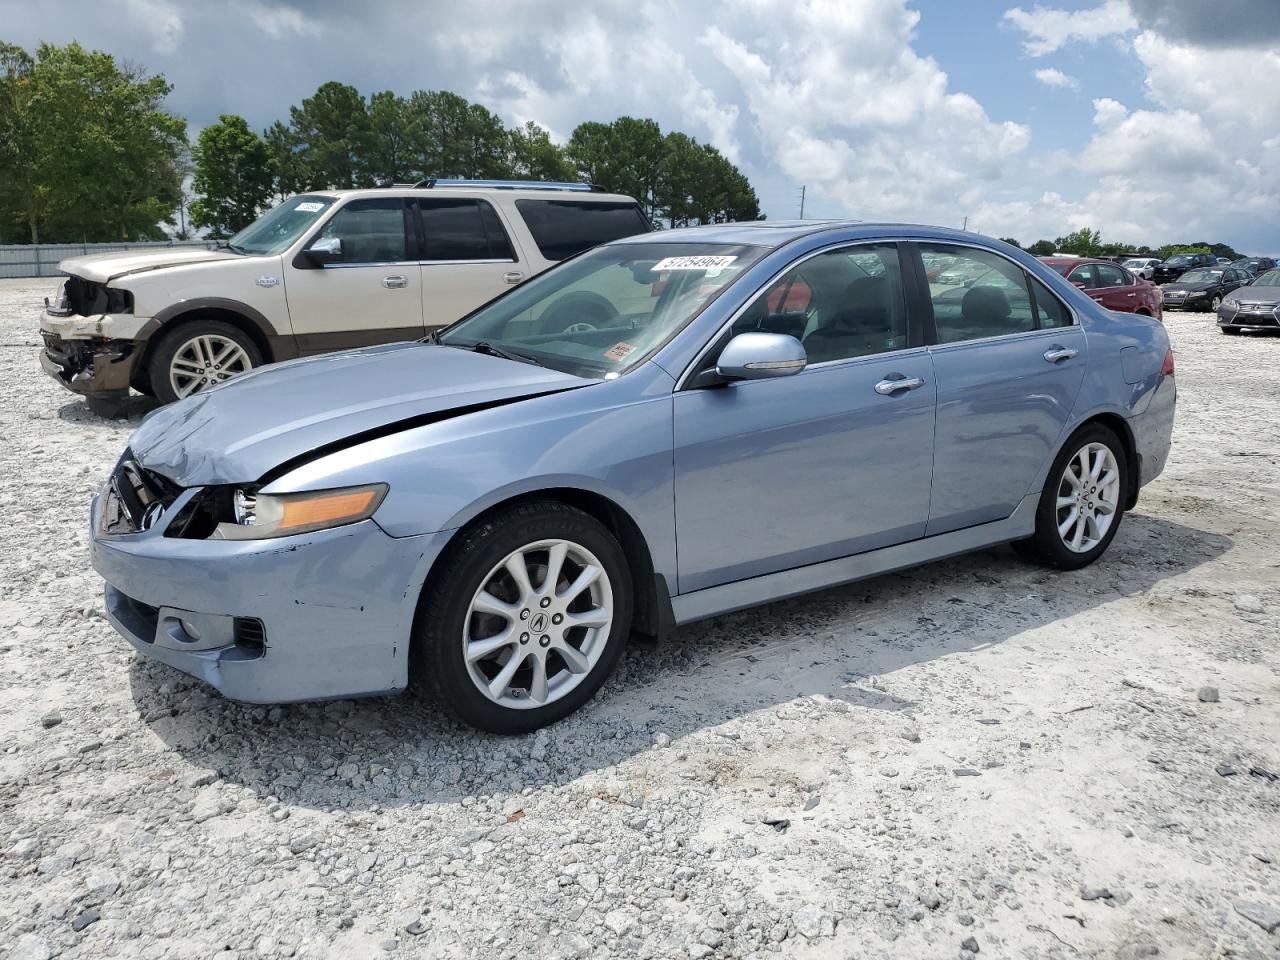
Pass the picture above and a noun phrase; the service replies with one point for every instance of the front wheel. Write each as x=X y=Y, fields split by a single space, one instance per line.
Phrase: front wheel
x=199 y=355
x=526 y=619
x=1215 y=304
x=1082 y=502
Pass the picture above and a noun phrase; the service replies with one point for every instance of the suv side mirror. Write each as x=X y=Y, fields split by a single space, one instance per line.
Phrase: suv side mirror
x=325 y=250
x=761 y=356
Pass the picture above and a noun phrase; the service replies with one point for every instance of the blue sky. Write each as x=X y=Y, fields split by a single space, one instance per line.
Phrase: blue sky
x=1031 y=119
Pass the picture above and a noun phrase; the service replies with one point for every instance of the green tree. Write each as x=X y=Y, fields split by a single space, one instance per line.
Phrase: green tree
x=624 y=156
x=330 y=130
x=388 y=155
x=87 y=150
x=1083 y=243
x=697 y=184
x=1042 y=248
x=452 y=137
x=532 y=155
x=232 y=176
x=288 y=166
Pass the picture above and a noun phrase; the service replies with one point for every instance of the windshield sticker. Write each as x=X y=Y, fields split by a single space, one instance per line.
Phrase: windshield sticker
x=715 y=264
x=619 y=350
x=309 y=206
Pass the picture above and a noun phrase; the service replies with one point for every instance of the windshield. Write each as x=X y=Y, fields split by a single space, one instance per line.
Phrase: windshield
x=275 y=230
x=1201 y=276
x=1177 y=262
x=601 y=313
x=1269 y=279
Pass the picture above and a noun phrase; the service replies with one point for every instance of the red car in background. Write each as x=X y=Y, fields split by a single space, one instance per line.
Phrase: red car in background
x=1111 y=285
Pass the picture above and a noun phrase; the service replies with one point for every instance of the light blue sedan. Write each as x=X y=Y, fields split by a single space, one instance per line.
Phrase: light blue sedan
x=735 y=414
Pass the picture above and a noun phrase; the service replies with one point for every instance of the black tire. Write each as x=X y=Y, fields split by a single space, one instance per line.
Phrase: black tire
x=1214 y=304
x=1230 y=331
x=1046 y=546
x=580 y=307
x=173 y=341
x=437 y=663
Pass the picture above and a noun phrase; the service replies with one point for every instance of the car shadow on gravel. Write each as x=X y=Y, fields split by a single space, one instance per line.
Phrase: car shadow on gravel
x=834 y=644
x=131 y=408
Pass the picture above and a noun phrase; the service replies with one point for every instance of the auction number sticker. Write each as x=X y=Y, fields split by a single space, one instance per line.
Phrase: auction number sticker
x=693 y=263
x=309 y=206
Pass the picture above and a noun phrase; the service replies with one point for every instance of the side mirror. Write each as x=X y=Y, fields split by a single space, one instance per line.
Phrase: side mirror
x=325 y=250
x=761 y=356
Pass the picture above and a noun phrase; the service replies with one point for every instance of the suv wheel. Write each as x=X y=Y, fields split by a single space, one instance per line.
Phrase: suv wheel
x=1082 y=502
x=526 y=619
x=198 y=355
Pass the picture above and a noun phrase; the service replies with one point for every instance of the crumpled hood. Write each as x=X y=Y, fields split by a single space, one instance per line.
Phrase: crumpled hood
x=101 y=267
x=239 y=431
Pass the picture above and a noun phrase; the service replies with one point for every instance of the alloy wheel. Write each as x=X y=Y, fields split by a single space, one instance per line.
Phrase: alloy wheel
x=538 y=624
x=1088 y=497
x=205 y=360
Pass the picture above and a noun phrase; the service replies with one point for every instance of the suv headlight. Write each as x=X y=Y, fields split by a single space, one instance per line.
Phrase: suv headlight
x=260 y=516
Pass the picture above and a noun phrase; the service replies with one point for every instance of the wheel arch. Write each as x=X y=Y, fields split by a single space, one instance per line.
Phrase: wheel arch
x=1118 y=425
x=271 y=345
x=652 y=615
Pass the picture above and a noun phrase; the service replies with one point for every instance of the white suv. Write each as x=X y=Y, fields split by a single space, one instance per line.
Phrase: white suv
x=322 y=271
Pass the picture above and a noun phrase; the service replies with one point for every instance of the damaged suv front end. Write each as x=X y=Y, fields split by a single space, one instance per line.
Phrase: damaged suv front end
x=90 y=336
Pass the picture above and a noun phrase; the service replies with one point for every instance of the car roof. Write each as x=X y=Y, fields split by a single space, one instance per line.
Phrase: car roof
x=775 y=233
x=535 y=193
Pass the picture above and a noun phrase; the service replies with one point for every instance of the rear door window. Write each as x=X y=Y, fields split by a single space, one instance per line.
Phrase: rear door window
x=983 y=295
x=457 y=228
x=564 y=228
x=1109 y=276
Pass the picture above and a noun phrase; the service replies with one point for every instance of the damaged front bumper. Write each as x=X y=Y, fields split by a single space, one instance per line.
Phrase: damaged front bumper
x=309 y=617
x=90 y=367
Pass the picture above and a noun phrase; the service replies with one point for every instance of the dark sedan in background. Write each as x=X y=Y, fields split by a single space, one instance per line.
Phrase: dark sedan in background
x=1110 y=285
x=1204 y=288
x=1180 y=263
x=1252 y=307
x=1254 y=266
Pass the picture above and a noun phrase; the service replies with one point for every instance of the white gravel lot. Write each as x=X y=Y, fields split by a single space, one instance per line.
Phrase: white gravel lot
x=974 y=756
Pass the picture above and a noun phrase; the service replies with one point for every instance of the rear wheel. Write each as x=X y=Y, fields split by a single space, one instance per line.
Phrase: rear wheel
x=1082 y=503
x=526 y=619
x=199 y=355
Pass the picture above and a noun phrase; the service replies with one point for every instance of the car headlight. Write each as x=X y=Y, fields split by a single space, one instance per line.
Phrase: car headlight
x=260 y=516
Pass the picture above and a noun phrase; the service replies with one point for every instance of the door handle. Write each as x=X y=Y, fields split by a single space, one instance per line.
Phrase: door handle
x=887 y=388
x=1056 y=353
x=1130 y=294
x=395 y=283
x=515 y=276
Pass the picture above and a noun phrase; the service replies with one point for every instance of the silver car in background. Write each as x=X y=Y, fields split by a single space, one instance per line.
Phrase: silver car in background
x=1255 y=306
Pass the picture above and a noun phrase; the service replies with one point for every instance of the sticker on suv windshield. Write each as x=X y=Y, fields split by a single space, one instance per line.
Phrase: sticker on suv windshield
x=693 y=263
x=619 y=351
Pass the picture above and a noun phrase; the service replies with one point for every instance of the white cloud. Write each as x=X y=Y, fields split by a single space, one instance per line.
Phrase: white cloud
x=841 y=102
x=158 y=19
x=1055 y=78
x=1049 y=29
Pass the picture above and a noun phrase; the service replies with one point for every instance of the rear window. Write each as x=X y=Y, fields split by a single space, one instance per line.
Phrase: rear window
x=563 y=228
x=460 y=229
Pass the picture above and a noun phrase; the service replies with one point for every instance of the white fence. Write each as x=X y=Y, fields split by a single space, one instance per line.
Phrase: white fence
x=41 y=259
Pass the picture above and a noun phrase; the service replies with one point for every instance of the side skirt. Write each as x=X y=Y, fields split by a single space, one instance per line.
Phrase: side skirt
x=830 y=573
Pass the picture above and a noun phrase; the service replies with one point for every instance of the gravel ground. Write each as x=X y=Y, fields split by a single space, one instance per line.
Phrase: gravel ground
x=973 y=757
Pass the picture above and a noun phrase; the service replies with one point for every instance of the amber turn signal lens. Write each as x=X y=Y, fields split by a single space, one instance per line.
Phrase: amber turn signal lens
x=325 y=509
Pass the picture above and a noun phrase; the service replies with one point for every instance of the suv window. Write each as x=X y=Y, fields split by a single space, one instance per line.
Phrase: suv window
x=993 y=298
x=371 y=231
x=563 y=228
x=1109 y=276
x=842 y=304
x=458 y=228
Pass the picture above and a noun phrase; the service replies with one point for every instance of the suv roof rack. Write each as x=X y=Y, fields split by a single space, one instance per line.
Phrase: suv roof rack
x=435 y=182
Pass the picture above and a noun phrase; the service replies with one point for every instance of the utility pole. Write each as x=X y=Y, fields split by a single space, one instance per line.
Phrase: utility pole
x=965 y=225
x=802 y=190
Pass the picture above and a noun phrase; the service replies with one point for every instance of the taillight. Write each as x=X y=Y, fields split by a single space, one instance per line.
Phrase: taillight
x=1167 y=369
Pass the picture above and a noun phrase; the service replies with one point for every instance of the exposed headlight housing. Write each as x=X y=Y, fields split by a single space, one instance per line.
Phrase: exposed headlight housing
x=259 y=516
